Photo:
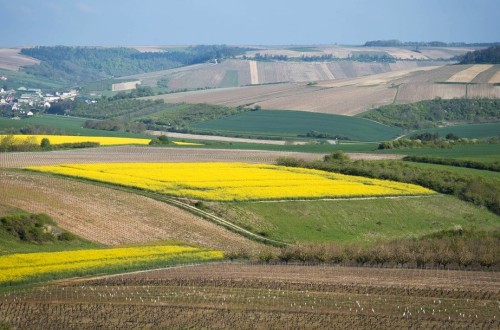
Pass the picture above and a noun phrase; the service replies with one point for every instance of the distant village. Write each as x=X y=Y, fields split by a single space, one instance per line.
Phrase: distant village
x=26 y=102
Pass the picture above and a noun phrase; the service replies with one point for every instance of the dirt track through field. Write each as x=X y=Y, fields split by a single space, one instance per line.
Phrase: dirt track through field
x=254 y=72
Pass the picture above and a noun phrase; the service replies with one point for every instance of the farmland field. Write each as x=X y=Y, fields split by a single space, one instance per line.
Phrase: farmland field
x=63 y=124
x=349 y=96
x=233 y=295
x=11 y=59
x=471 y=131
x=97 y=214
x=295 y=123
x=479 y=152
x=233 y=181
x=363 y=221
x=61 y=139
x=26 y=267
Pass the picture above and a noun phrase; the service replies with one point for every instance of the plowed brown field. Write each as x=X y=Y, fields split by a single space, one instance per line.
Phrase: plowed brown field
x=110 y=217
x=240 y=296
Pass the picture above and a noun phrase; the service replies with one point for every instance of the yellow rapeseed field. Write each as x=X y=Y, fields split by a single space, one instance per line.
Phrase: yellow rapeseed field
x=59 y=139
x=182 y=143
x=235 y=181
x=21 y=266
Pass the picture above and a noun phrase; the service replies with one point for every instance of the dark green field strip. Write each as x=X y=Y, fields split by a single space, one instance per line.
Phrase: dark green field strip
x=294 y=123
x=471 y=131
x=479 y=152
x=68 y=125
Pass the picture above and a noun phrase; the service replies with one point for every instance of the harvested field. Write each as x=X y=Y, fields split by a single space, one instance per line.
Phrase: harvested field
x=483 y=90
x=348 y=96
x=125 y=86
x=495 y=79
x=468 y=75
x=11 y=59
x=413 y=92
x=348 y=100
x=230 y=296
x=110 y=217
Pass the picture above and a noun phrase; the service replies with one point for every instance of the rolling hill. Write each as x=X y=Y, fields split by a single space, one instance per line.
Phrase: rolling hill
x=351 y=96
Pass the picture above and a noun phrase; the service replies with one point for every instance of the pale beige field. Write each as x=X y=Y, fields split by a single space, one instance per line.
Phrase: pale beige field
x=468 y=74
x=496 y=78
x=351 y=96
x=11 y=59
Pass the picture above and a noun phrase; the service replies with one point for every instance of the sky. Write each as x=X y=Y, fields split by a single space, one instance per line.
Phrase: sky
x=244 y=22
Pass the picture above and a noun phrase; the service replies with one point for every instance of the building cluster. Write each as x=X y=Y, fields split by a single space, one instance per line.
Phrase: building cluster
x=25 y=102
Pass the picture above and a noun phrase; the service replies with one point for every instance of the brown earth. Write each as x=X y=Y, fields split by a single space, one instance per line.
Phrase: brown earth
x=243 y=296
x=11 y=59
x=108 y=216
x=128 y=154
x=350 y=96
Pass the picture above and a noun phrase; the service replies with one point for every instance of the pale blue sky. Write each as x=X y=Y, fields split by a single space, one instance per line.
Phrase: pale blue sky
x=266 y=22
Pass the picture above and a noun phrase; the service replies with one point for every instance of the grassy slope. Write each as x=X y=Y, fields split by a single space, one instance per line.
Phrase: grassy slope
x=9 y=244
x=362 y=221
x=18 y=79
x=293 y=123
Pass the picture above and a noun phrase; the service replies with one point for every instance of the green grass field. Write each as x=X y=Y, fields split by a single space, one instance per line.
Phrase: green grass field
x=480 y=152
x=360 y=221
x=293 y=123
x=471 y=131
x=68 y=125
x=460 y=170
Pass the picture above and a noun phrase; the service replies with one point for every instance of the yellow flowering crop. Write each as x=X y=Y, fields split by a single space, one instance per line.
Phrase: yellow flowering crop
x=235 y=181
x=21 y=266
x=181 y=143
x=59 y=139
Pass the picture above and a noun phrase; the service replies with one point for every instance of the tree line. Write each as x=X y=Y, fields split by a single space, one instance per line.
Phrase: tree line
x=490 y=55
x=86 y=64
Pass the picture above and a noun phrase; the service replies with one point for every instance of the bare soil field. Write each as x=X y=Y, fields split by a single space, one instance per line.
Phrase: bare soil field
x=401 y=53
x=351 y=96
x=108 y=216
x=11 y=59
x=243 y=296
x=129 y=154
x=252 y=72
